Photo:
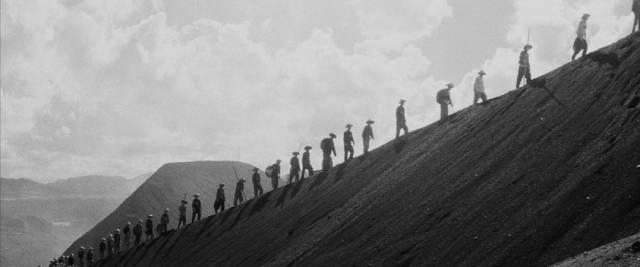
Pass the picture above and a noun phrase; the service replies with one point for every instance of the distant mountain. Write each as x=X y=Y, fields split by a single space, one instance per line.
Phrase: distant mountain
x=166 y=187
x=84 y=186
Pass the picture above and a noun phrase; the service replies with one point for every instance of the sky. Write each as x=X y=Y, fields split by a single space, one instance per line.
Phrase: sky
x=120 y=87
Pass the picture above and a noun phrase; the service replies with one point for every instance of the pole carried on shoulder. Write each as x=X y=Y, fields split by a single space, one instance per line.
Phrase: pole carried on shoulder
x=238 y=179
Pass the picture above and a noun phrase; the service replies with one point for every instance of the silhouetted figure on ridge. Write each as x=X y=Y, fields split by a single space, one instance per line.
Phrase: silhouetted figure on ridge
x=635 y=7
x=524 y=69
x=81 y=256
x=327 y=147
x=71 y=260
x=478 y=88
x=401 y=122
x=238 y=197
x=273 y=172
x=257 y=185
x=116 y=241
x=182 y=210
x=90 y=256
x=196 y=208
x=110 y=245
x=102 y=247
x=580 y=44
x=306 y=161
x=137 y=233
x=348 y=143
x=126 y=231
x=444 y=99
x=149 y=227
x=294 y=172
x=367 y=136
x=164 y=222
x=218 y=205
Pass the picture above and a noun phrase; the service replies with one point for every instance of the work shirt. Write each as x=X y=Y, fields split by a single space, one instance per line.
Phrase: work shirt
x=165 y=218
x=478 y=86
x=400 y=114
x=220 y=194
x=306 y=159
x=196 y=204
x=149 y=225
x=524 y=59
x=582 y=30
x=367 y=133
x=295 y=164
x=444 y=97
x=137 y=230
x=183 y=210
x=329 y=146
x=275 y=170
x=256 y=178
x=347 y=138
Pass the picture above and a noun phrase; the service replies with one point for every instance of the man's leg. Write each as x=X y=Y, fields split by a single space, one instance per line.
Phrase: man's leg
x=193 y=216
x=199 y=214
x=484 y=97
x=398 y=129
x=585 y=48
x=405 y=128
x=520 y=74
x=528 y=76
x=475 y=98
x=290 y=176
x=365 y=145
x=443 y=112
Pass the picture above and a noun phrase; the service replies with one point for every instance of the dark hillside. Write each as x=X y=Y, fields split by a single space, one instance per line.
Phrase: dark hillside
x=521 y=181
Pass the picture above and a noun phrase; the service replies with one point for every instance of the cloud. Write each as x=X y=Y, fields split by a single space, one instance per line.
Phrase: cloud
x=119 y=87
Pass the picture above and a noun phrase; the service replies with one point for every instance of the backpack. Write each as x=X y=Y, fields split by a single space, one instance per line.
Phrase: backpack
x=269 y=171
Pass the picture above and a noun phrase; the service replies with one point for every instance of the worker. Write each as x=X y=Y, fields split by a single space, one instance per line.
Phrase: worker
x=220 y=198
x=238 y=197
x=257 y=185
x=478 y=88
x=367 y=136
x=580 y=43
x=348 y=143
x=444 y=99
x=294 y=172
x=327 y=147
x=524 y=69
x=306 y=161
x=401 y=121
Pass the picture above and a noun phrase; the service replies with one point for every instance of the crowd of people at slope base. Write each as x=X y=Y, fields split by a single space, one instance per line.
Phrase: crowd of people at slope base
x=131 y=235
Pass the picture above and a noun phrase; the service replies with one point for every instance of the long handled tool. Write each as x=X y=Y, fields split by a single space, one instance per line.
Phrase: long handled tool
x=238 y=178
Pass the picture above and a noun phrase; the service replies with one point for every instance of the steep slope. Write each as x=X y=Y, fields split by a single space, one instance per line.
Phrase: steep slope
x=165 y=188
x=521 y=181
x=622 y=253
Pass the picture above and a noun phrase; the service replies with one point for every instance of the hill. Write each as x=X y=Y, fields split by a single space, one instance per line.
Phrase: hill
x=621 y=253
x=520 y=181
x=166 y=187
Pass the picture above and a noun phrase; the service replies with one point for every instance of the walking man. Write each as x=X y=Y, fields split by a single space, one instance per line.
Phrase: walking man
x=367 y=136
x=126 y=230
x=90 y=257
x=348 y=143
x=401 y=122
x=196 y=208
x=275 y=174
x=137 y=233
x=110 y=245
x=116 y=241
x=219 y=203
x=327 y=147
x=239 y=195
x=81 y=257
x=149 y=227
x=580 y=44
x=636 y=12
x=164 y=221
x=294 y=172
x=444 y=99
x=182 y=209
x=306 y=161
x=524 y=69
x=478 y=88
x=257 y=186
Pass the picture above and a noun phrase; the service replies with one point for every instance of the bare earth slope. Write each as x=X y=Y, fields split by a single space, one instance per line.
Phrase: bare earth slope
x=164 y=189
x=616 y=254
x=521 y=181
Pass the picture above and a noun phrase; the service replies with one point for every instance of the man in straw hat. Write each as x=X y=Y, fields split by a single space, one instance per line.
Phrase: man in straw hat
x=294 y=172
x=478 y=88
x=149 y=227
x=524 y=69
x=182 y=210
x=327 y=148
x=196 y=208
x=275 y=174
x=164 y=221
x=348 y=143
x=306 y=161
x=580 y=44
x=257 y=185
x=238 y=197
x=367 y=136
x=444 y=99
x=401 y=122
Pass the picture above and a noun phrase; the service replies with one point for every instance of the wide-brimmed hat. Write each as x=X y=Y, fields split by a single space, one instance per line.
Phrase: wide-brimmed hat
x=278 y=161
x=150 y=215
x=481 y=72
x=140 y=221
x=295 y=153
x=370 y=121
x=166 y=210
x=196 y=195
x=332 y=135
x=307 y=147
x=450 y=85
x=221 y=185
x=184 y=201
x=402 y=101
x=349 y=125
x=104 y=238
x=118 y=230
x=586 y=15
x=528 y=46
x=255 y=169
x=81 y=247
x=242 y=180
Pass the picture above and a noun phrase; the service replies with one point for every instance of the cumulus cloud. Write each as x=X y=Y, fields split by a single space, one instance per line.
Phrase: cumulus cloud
x=120 y=87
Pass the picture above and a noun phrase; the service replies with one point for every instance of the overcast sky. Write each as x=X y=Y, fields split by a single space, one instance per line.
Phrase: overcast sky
x=119 y=87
